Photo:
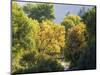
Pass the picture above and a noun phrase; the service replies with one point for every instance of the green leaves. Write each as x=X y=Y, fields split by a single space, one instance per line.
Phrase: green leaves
x=39 y=11
x=24 y=34
x=24 y=29
x=90 y=20
x=71 y=20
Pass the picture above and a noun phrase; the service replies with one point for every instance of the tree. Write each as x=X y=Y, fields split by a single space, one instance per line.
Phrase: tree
x=39 y=11
x=76 y=43
x=75 y=38
x=90 y=20
x=71 y=20
x=88 y=59
x=51 y=37
x=24 y=29
x=82 y=11
x=24 y=34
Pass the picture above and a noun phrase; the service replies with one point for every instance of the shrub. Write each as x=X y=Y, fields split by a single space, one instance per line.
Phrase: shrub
x=23 y=60
x=48 y=64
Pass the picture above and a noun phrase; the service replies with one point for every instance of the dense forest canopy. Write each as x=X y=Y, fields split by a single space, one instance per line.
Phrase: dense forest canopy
x=40 y=45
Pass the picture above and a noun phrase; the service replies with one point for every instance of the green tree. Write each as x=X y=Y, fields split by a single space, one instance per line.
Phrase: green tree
x=82 y=11
x=71 y=20
x=90 y=20
x=88 y=59
x=39 y=11
x=24 y=34
x=24 y=29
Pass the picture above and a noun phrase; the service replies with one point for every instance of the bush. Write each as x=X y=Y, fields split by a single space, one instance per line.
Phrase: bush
x=48 y=64
x=23 y=60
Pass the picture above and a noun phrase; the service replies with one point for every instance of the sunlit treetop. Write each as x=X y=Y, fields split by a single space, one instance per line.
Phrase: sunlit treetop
x=24 y=28
x=51 y=37
x=71 y=20
x=76 y=36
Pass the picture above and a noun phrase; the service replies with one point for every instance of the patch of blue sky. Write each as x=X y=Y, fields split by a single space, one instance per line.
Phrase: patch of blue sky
x=61 y=10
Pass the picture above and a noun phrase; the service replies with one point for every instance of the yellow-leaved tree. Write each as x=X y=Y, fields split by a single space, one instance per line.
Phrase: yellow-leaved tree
x=51 y=38
x=75 y=38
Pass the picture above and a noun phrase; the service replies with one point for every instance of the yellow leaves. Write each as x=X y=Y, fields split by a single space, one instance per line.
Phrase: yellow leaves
x=74 y=18
x=75 y=32
x=76 y=36
x=51 y=36
x=80 y=28
x=71 y=20
x=56 y=48
x=47 y=22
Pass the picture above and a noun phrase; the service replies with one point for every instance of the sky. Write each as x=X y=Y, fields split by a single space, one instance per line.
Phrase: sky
x=60 y=10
